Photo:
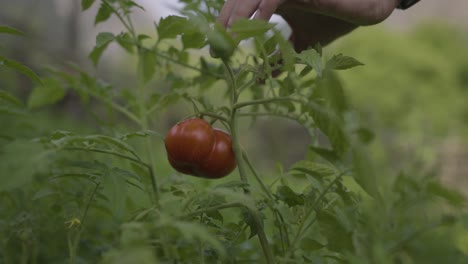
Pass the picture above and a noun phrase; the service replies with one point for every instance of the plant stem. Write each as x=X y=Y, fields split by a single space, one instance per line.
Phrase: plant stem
x=262 y=101
x=240 y=164
x=233 y=124
x=73 y=244
x=302 y=229
x=279 y=217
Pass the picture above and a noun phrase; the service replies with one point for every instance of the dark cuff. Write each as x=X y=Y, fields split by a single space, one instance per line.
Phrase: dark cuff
x=405 y=4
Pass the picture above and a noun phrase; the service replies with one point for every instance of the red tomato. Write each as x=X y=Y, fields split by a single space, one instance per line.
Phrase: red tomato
x=193 y=147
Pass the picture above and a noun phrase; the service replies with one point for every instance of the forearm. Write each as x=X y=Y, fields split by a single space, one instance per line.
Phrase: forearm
x=357 y=12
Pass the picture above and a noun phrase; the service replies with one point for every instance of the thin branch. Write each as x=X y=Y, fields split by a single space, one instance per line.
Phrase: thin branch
x=262 y=101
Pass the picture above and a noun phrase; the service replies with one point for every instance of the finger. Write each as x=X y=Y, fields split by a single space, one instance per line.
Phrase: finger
x=226 y=12
x=243 y=9
x=266 y=8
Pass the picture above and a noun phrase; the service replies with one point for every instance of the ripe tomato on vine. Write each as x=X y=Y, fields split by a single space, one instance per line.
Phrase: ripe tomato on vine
x=195 y=148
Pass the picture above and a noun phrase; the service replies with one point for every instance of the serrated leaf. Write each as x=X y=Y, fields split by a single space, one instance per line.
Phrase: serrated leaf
x=85 y=4
x=10 y=30
x=288 y=196
x=313 y=59
x=452 y=196
x=338 y=236
x=122 y=145
x=103 y=38
x=314 y=169
x=340 y=62
x=194 y=231
x=327 y=154
x=44 y=192
x=193 y=41
x=288 y=54
x=125 y=41
x=172 y=26
x=246 y=28
x=330 y=125
x=103 y=14
x=20 y=68
x=128 y=4
x=144 y=133
x=309 y=244
x=96 y=54
x=49 y=93
x=249 y=220
x=330 y=88
x=215 y=215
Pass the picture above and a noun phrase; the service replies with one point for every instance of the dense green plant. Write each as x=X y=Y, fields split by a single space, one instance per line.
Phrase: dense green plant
x=110 y=196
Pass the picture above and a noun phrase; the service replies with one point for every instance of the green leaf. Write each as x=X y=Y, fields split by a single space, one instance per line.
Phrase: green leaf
x=104 y=38
x=288 y=196
x=327 y=154
x=103 y=14
x=314 y=169
x=10 y=105
x=5 y=96
x=49 y=93
x=43 y=192
x=193 y=40
x=20 y=68
x=129 y=4
x=192 y=231
x=333 y=130
x=125 y=41
x=288 y=54
x=246 y=28
x=340 y=62
x=452 y=196
x=313 y=59
x=309 y=244
x=145 y=133
x=330 y=88
x=9 y=30
x=119 y=144
x=172 y=26
x=85 y=4
x=338 y=236
x=249 y=220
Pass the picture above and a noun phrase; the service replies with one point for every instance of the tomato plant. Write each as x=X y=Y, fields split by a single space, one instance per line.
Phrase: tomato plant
x=105 y=187
x=194 y=147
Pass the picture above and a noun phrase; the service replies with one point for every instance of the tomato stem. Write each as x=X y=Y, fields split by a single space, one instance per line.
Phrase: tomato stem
x=302 y=229
x=240 y=163
x=262 y=101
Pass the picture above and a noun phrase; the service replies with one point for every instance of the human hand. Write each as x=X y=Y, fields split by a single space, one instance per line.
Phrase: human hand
x=312 y=21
